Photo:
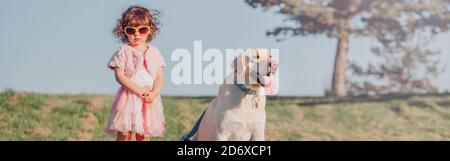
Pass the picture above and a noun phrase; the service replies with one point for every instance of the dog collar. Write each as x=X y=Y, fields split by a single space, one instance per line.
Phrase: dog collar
x=244 y=88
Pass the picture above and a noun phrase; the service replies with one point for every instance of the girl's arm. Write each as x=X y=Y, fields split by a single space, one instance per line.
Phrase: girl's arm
x=159 y=82
x=127 y=83
x=157 y=86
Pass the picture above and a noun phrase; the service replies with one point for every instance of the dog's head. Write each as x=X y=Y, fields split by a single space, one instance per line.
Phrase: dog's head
x=255 y=68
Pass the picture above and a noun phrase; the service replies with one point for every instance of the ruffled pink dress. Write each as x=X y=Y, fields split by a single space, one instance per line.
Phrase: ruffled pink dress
x=129 y=112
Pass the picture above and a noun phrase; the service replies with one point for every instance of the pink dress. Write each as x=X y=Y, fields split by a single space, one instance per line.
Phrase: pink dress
x=129 y=112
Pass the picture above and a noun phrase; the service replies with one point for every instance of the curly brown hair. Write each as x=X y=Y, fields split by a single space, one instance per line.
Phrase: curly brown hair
x=135 y=16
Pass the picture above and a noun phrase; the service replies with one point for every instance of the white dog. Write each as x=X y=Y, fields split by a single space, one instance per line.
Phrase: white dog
x=238 y=112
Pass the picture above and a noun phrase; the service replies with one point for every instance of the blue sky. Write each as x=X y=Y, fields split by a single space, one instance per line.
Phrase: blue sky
x=62 y=47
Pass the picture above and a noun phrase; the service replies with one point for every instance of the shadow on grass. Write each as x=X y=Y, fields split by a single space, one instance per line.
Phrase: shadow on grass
x=357 y=99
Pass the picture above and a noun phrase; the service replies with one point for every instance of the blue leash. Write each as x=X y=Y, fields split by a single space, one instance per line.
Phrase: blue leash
x=191 y=133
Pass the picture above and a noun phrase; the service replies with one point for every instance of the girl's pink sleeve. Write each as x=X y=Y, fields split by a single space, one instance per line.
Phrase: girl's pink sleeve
x=160 y=59
x=117 y=60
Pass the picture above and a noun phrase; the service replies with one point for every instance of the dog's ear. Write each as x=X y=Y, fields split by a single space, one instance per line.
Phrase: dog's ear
x=240 y=63
x=245 y=58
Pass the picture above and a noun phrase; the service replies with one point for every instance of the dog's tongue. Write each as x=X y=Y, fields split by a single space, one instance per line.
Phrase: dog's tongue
x=269 y=85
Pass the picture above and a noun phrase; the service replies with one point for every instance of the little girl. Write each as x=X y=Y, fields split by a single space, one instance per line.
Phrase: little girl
x=138 y=67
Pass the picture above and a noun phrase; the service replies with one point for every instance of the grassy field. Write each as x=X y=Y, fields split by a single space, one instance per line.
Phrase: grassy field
x=30 y=116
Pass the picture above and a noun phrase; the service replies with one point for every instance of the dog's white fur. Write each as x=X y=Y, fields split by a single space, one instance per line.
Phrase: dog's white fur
x=233 y=115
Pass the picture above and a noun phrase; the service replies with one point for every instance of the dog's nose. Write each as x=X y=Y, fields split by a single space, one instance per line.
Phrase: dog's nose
x=274 y=64
x=273 y=67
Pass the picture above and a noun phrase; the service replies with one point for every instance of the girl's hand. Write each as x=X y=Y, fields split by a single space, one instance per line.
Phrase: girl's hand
x=143 y=92
x=150 y=97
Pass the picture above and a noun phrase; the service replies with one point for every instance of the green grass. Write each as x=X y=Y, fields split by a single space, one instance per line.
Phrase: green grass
x=30 y=116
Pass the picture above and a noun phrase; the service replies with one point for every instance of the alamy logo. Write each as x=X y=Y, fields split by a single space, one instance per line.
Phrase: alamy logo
x=212 y=66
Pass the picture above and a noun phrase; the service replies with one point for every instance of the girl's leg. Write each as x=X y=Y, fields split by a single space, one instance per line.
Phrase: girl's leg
x=124 y=136
x=141 y=137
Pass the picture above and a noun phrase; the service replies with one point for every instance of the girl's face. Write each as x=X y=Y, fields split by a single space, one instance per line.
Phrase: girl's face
x=137 y=35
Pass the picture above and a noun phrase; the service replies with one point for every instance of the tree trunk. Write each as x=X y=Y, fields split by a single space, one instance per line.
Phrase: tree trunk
x=340 y=64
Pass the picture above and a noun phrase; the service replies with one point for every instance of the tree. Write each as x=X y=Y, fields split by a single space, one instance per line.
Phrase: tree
x=389 y=21
x=408 y=67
